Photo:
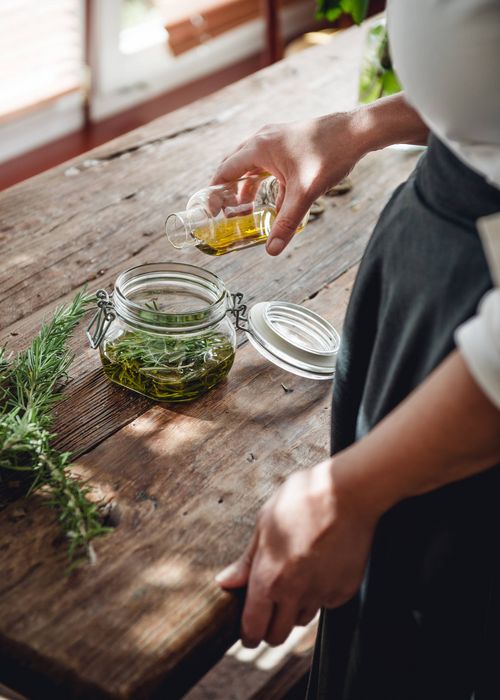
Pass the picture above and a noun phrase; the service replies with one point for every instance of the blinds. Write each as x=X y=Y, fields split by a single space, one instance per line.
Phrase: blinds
x=192 y=23
x=41 y=55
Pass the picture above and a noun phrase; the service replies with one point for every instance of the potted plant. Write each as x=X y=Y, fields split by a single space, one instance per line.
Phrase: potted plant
x=377 y=76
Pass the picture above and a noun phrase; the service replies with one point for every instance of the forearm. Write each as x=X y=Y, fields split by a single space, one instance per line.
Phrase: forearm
x=446 y=430
x=386 y=121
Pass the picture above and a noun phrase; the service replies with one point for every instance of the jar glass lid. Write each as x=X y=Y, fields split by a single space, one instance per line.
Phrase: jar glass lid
x=294 y=338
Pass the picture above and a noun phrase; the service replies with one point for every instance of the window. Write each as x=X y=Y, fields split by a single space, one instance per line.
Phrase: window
x=206 y=19
x=142 y=48
x=137 y=49
x=42 y=53
x=41 y=72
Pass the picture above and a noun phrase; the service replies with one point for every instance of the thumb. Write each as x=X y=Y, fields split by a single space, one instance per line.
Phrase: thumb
x=236 y=575
x=292 y=211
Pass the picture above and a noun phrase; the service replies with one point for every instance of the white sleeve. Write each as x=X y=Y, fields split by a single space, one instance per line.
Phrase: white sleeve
x=478 y=339
x=479 y=343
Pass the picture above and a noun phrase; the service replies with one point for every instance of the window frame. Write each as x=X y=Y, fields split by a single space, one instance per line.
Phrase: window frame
x=51 y=118
x=121 y=81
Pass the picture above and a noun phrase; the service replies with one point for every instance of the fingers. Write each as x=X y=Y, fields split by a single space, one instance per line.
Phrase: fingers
x=258 y=609
x=282 y=622
x=249 y=187
x=290 y=215
x=236 y=165
x=236 y=574
x=281 y=195
x=215 y=202
x=257 y=615
x=306 y=615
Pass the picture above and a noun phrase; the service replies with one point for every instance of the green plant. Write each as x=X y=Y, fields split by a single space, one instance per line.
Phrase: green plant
x=29 y=389
x=377 y=78
x=332 y=9
x=166 y=368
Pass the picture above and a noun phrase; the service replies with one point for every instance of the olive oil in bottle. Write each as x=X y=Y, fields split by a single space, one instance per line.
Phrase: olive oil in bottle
x=229 y=217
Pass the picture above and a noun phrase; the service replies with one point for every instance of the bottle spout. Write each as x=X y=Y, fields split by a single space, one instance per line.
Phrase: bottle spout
x=181 y=227
x=178 y=231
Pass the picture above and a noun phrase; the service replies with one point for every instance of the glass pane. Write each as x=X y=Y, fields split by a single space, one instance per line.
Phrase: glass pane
x=142 y=25
x=42 y=52
x=136 y=12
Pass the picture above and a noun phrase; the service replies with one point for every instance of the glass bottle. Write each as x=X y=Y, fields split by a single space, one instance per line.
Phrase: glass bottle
x=223 y=218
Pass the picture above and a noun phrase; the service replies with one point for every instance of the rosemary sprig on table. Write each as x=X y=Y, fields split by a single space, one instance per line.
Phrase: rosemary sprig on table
x=29 y=389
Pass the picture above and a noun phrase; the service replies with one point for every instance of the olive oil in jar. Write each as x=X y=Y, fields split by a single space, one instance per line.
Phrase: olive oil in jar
x=167 y=369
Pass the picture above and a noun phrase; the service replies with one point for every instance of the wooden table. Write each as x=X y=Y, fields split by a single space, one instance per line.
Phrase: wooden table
x=186 y=482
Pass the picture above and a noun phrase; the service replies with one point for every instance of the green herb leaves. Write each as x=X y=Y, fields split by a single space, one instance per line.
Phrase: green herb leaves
x=29 y=389
x=332 y=9
x=167 y=368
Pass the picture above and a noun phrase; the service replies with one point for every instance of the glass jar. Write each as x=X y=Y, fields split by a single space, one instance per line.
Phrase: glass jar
x=223 y=218
x=165 y=332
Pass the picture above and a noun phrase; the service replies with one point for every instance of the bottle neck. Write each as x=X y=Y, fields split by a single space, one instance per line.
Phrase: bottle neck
x=181 y=225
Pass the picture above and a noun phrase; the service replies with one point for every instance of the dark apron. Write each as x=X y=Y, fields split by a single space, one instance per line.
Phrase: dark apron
x=426 y=624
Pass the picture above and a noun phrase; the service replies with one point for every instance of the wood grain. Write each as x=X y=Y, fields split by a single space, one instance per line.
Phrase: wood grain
x=264 y=673
x=108 y=215
x=95 y=409
x=185 y=482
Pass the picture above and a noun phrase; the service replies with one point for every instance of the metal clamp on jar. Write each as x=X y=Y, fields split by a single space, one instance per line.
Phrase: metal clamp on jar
x=165 y=332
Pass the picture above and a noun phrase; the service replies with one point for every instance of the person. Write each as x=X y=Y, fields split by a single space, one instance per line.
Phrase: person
x=397 y=536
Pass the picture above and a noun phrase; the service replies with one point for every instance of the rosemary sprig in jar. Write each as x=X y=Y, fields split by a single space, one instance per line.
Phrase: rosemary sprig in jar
x=168 y=368
x=29 y=389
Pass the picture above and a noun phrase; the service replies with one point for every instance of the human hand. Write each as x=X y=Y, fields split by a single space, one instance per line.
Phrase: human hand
x=309 y=550
x=306 y=157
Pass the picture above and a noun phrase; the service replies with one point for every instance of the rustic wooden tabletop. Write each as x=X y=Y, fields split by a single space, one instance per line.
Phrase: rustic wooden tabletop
x=187 y=481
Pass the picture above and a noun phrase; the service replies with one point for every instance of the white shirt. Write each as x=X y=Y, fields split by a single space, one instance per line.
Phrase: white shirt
x=446 y=54
x=479 y=339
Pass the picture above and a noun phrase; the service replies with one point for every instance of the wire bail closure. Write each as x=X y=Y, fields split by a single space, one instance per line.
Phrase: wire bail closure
x=239 y=311
x=101 y=320
x=105 y=315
